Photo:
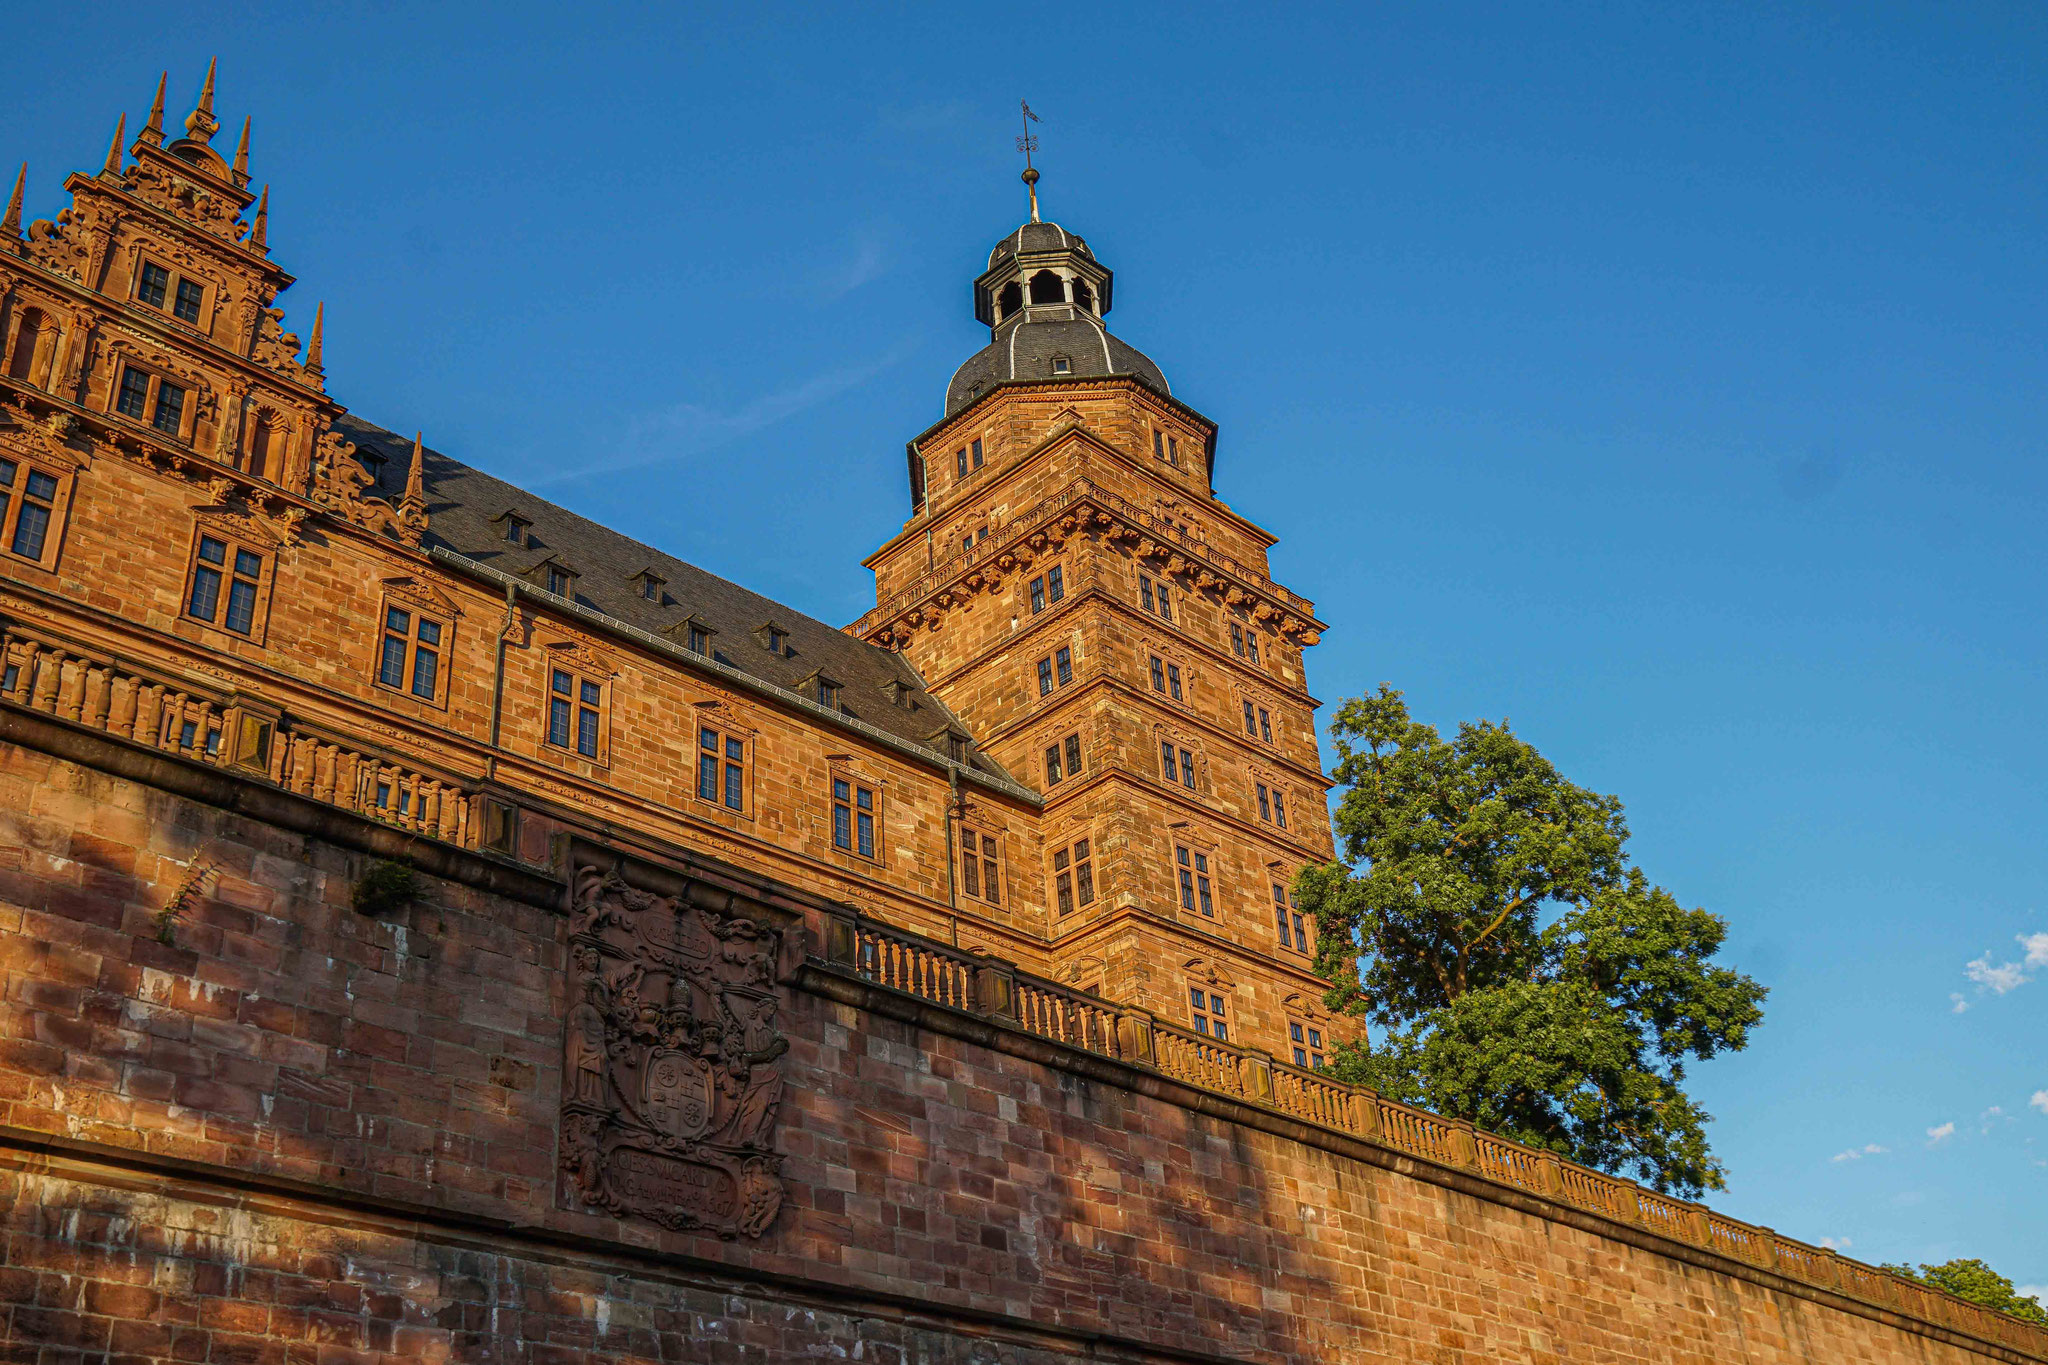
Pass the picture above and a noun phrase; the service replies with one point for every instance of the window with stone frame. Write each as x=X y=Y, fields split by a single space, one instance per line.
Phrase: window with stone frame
x=1244 y=642
x=1272 y=802
x=1169 y=679
x=576 y=710
x=226 y=583
x=1073 y=876
x=1305 y=1043
x=412 y=651
x=1177 y=764
x=980 y=865
x=146 y=396
x=1055 y=670
x=856 y=813
x=968 y=458
x=1288 y=923
x=31 y=510
x=722 y=766
x=1047 y=588
x=1258 y=723
x=170 y=291
x=1207 y=1011
x=1156 y=596
x=1191 y=878
x=1063 y=759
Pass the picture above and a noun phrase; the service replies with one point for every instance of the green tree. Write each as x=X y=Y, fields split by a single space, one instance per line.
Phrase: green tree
x=1973 y=1280
x=1520 y=972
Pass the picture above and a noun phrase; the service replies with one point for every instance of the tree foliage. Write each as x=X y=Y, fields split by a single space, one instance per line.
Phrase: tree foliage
x=1973 y=1280
x=1520 y=972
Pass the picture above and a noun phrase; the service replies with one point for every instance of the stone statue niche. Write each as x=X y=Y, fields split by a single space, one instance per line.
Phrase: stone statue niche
x=672 y=1061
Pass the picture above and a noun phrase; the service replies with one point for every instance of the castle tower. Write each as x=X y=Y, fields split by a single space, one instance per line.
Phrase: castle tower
x=1070 y=584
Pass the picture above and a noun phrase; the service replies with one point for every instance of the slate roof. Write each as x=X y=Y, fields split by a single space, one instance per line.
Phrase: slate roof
x=1024 y=348
x=1032 y=237
x=464 y=510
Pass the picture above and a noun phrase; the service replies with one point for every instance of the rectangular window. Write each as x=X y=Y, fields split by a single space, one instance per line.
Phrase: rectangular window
x=1237 y=639
x=185 y=305
x=1165 y=606
x=32 y=506
x=1265 y=805
x=1307 y=1042
x=575 y=712
x=976 y=451
x=1206 y=1010
x=1055 y=584
x=1172 y=451
x=1038 y=594
x=1251 y=724
x=1073 y=876
x=960 y=462
x=1193 y=871
x=978 y=872
x=1145 y=592
x=1044 y=676
x=1265 y=726
x=170 y=408
x=1279 y=808
x=409 y=658
x=1158 y=443
x=1173 y=681
x=1251 y=646
x=1073 y=748
x=1158 y=674
x=154 y=284
x=828 y=694
x=699 y=640
x=1053 y=774
x=1280 y=913
x=225 y=571
x=1187 y=770
x=133 y=399
x=1166 y=761
x=853 y=817
x=1063 y=664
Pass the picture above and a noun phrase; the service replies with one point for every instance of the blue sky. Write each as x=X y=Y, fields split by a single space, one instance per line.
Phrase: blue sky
x=1666 y=380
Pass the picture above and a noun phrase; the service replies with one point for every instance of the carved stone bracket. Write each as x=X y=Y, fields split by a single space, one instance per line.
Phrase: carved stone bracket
x=672 y=1060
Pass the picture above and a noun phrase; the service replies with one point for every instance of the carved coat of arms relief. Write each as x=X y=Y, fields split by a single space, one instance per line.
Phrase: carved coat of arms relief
x=672 y=1060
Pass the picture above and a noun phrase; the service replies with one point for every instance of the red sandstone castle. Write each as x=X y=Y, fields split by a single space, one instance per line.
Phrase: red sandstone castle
x=437 y=926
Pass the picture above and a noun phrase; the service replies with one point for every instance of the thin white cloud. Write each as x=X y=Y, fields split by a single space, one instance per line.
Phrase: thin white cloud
x=2039 y=1100
x=688 y=429
x=1960 y=1003
x=1940 y=1133
x=2001 y=977
x=1858 y=1153
x=2037 y=1292
x=1836 y=1243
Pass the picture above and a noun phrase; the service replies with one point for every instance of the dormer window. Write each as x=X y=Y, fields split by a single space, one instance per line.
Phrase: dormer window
x=1061 y=365
x=897 y=691
x=557 y=577
x=650 y=584
x=773 y=638
x=823 y=690
x=513 y=527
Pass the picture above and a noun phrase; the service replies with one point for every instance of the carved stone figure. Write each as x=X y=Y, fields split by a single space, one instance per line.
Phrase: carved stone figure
x=672 y=1061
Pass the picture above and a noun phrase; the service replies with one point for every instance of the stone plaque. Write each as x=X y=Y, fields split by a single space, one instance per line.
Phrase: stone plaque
x=672 y=1061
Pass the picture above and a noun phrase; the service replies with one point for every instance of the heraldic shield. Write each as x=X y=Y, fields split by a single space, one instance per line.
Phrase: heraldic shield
x=672 y=1061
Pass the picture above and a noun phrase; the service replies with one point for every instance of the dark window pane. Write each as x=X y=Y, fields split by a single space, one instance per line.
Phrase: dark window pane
x=394 y=619
x=170 y=408
x=591 y=694
x=708 y=739
x=1173 y=681
x=707 y=776
x=426 y=665
x=430 y=632
x=1145 y=592
x=241 y=617
x=863 y=798
x=1038 y=594
x=1073 y=754
x=1166 y=761
x=1044 y=676
x=1052 y=764
x=133 y=400
x=248 y=565
x=1187 y=769
x=1064 y=659
x=586 y=733
x=186 y=306
x=560 y=683
x=867 y=835
x=1055 y=584
x=41 y=485
x=32 y=531
x=960 y=462
x=1158 y=675
x=1063 y=886
x=391 y=670
x=842 y=827
x=205 y=598
x=1165 y=608
x=977 y=452
x=155 y=280
x=840 y=791
x=734 y=750
x=558 y=721
x=1084 y=879
x=734 y=776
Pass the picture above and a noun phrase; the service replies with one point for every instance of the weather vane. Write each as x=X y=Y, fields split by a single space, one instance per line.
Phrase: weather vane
x=1028 y=144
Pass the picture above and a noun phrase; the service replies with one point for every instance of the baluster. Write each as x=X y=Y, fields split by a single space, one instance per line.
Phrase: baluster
x=98 y=683
x=71 y=686
x=49 y=670
x=149 y=714
x=326 y=762
x=121 y=705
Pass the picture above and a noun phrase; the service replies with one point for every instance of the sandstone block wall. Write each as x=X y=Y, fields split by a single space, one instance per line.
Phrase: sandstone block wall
x=291 y=1132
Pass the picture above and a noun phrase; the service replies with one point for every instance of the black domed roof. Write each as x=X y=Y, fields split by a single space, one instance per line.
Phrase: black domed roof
x=1025 y=349
x=1032 y=237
